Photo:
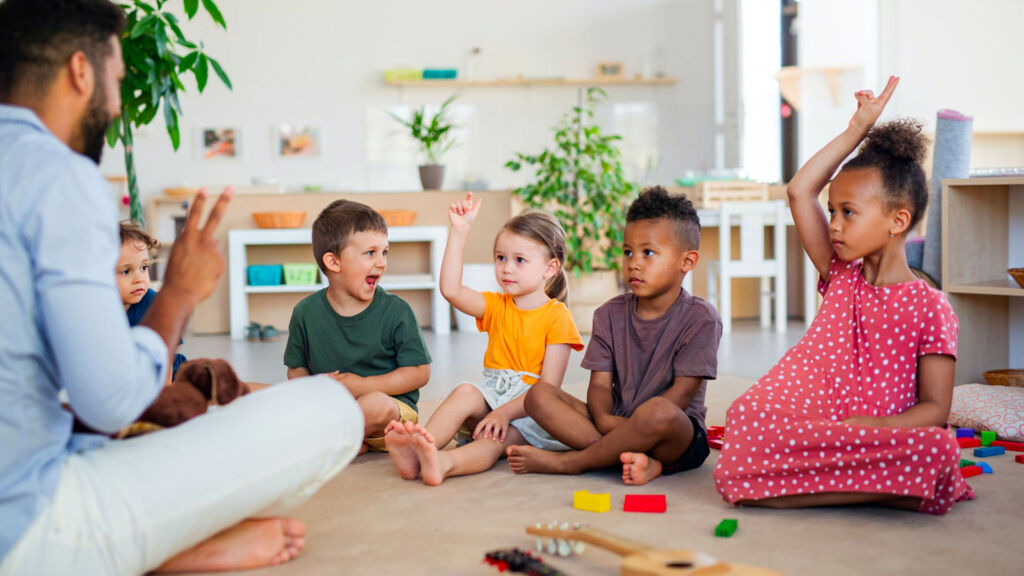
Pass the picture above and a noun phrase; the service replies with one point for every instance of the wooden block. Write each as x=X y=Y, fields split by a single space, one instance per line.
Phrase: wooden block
x=964 y=433
x=1019 y=458
x=987 y=437
x=726 y=527
x=1010 y=446
x=968 y=471
x=964 y=462
x=583 y=500
x=644 y=503
x=968 y=442
x=987 y=451
x=985 y=467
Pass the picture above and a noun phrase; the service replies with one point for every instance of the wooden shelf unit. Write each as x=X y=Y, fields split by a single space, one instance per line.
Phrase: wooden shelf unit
x=982 y=232
x=518 y=82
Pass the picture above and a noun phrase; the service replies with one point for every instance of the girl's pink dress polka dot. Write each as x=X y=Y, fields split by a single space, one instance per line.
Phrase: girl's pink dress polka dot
x=785 y=435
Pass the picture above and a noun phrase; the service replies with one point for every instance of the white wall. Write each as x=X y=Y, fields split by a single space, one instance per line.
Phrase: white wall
x=322 y=62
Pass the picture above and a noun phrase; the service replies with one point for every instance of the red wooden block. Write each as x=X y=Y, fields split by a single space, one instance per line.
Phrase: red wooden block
x=1019 y=458
x=968 y=442
x=968 y=471
x=1011 y=446
x=716 y=443
x=716 y=431
x=644 y=503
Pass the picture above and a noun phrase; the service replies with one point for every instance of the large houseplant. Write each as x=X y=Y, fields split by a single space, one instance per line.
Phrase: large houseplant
x=434 y=137
x=156 y=56
x=580 y=180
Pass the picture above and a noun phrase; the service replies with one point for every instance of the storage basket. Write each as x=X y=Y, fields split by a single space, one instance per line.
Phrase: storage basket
x=265 y=275
x=398 y=217
x=300 y=274
x=711 y=193
x=1018 y=275
x=1005 y=377
x=279 y=219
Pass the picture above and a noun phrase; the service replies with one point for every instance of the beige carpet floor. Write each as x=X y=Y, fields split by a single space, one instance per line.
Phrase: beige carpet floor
x=369 y=521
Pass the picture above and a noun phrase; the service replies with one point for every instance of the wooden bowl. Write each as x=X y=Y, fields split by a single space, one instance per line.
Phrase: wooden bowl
x=398 y=217
x=279 y=219
x=1018 y=275
x=1005 y=377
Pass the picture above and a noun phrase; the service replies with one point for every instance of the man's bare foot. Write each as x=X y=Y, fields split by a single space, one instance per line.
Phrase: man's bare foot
x=397 y=439
x=433 y=464
x=531 y=460
x=638 y=468
x=249 y=544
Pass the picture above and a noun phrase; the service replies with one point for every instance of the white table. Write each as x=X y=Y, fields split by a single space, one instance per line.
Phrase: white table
x=710 y=219
x=238 y=264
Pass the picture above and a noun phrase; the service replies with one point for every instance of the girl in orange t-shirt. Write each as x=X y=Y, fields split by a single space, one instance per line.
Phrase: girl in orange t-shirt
x=530 y=334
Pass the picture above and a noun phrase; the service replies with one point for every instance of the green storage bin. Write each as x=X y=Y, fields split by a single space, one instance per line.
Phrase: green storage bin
x=300 y=274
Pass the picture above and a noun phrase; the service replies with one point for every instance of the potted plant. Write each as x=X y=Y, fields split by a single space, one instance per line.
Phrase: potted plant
x=580 y=180
x=153 y=70
x=433 y=134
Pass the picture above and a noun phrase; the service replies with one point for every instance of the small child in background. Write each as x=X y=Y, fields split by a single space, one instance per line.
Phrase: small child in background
x=357 y=332
x=854 y=412
x=650 y=356
x=530 y=335
x=133 y=277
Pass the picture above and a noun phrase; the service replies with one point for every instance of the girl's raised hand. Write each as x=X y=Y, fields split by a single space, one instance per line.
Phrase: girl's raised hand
x=462 y=213
x=869 y=107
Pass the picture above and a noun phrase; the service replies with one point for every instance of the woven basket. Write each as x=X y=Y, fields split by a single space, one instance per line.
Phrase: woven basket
x=1018 y=275
x=279 y=219
x=398 y=217
x=1005 y=377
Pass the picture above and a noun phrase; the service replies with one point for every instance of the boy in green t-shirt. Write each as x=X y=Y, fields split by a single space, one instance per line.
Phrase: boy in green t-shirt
x=354 y=330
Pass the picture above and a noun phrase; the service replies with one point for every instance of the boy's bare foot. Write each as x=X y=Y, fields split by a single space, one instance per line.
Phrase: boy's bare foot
x=249 y=544
x=431 y=461
x=397 y=439
x=638 y=468
x=531 y=460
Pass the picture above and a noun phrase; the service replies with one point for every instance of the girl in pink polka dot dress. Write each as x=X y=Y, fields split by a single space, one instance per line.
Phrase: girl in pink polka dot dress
x=854 y=413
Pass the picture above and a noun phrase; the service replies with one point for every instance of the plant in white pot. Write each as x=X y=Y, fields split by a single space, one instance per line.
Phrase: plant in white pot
x=581 y=182
x=434 y=136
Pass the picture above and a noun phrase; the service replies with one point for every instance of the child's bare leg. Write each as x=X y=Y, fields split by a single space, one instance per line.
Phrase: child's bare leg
x=477 y=456
x=378 y=410
x=835 y=499
x=465 y=402
x=248 y=544
x=658 y=427
x=398 y=440
x=562 y=415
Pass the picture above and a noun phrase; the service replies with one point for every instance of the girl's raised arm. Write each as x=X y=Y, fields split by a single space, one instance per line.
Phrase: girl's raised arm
x=811 y=222
x=461 y=215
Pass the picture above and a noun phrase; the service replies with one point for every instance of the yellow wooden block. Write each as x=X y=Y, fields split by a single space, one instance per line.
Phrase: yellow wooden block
x=583 y=500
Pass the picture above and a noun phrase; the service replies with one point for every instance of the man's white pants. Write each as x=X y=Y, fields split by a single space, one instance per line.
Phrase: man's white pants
x=127 y=507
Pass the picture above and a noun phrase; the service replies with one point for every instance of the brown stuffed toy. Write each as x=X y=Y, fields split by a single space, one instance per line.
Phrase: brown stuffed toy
x=198 y=384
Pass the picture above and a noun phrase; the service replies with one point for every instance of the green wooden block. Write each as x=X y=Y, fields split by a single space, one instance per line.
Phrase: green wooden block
x=987 y=436
x=726 y=527
x=966 y=462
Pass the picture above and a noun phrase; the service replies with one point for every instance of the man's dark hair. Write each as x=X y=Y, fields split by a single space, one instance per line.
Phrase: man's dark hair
x=655 y=202
x=38 y=37
x=341 y=219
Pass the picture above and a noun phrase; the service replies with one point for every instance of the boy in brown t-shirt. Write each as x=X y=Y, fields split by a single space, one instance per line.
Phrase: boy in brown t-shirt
x=650 y=353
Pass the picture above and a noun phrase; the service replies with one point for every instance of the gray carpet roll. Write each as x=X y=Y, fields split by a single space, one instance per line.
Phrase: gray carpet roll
x=951 y=159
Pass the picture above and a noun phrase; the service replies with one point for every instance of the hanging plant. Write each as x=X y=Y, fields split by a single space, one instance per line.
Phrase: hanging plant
x=156 y=56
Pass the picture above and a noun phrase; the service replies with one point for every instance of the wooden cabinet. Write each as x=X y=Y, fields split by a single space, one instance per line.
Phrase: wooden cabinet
x=982 y=236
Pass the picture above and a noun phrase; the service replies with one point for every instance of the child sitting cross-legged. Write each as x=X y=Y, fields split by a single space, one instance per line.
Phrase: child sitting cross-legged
x=355 y=331
x=650 y=354
x=530 y=334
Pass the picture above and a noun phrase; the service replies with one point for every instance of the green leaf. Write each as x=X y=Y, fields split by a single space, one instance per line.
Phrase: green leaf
x=214 y=12
x=160 y=35
x=221 y=73
x=191 y=7
x=202 y=72
x=171 y=119
x=188 y=61
x=140 y=28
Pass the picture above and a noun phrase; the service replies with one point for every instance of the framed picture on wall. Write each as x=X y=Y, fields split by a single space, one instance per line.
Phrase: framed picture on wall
x=610 y=69
x=297 y=141
x=218 y=143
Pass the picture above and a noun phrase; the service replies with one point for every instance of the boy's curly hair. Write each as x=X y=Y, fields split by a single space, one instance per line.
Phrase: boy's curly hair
x=896 y=150
x=131 y=231
x=655 y=202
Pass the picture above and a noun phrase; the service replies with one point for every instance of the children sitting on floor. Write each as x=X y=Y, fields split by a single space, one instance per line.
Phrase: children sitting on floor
x=650 y=354
x=133 y=278
x=854 y=412
x=530 y=334
x=354 y=330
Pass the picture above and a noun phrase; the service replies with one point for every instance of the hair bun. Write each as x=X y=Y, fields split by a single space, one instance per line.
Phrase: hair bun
x=899 y=139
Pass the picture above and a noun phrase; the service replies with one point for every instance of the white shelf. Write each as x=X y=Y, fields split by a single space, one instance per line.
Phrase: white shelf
x=238 y=262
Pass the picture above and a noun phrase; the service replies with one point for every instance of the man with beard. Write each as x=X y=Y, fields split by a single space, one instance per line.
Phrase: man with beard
x=176 y=500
